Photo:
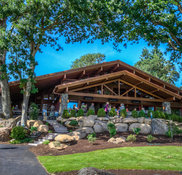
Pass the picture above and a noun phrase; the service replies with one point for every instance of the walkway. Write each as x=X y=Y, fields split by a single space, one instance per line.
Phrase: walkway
x=59 y=128
x=18 y=160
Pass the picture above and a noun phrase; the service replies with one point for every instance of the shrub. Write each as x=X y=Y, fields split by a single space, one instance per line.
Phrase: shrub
x=65 y=114
x=175 y=117
x=34 y=111
x=123 y=113
x=101 y=113
x=156 y=114
x=91 y=138
x=150 y=138
x=134 y=114
x=73 y=123
x=131 y=138
x=46 y=142
x=149 y=113
x=73 y=113
x=112 y=112
x=50 y=131
x=90 y=112
x=18 y=133
x=136 y=130
x=162 y=115
x=112 y=129
x=141 y=113
x=32 y=129
x=80 y=113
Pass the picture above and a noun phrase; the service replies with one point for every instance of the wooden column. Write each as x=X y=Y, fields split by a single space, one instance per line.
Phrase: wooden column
x=119 y=87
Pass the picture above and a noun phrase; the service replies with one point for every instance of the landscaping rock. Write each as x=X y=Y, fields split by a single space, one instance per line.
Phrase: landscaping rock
x=4 y=134
x=159 y=127
x=64 y=138
x=10 y=123
x=93 y=171
x=57 y=145
x=103 y=119
x=30 y=123
x=117 y=140
x=148 y=121
x=37 y=123
x=43 y=128
x=118 y=120
x=145 y=128
x=130 y=120
x=100 y=127
x=121 y=127
x=78 y=135
x=88 y=121
x=87 y=130
x=141 y=120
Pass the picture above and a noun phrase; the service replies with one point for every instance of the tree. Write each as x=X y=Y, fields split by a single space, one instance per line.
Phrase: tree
x=155 y=64
x=43 y=23
x=87 y=60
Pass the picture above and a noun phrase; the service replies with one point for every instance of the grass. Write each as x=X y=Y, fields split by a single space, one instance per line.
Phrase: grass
x=151 y=157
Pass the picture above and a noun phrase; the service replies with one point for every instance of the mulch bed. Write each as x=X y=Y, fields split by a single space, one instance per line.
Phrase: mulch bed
x=101 y=143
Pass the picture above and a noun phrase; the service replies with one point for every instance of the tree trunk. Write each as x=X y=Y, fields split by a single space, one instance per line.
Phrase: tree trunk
x=26 y=97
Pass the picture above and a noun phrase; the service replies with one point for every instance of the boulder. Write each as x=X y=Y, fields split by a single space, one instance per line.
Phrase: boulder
x=145 y=128
x=87 y=130
x=100 y=127
x=57 y=145
x=147 y=121
x=37 y=123
x=141 y=120
x=118 y=120
x=117 y=140
x=30 y=123
x=43 y=128
x=93 y=171
x=78 y=135
x=4 y=134
x=88 y=121
x=64 y=138
x=121 y=127
x=159 y=127
x=130 y=120
x=10 y=123
x=103 y=119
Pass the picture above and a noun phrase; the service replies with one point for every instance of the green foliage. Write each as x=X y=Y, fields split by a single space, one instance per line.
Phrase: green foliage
x=73 y=113
x=136 y=130
x=112 y=112
x=112 y=129
x=123 y=113
x=87 y=60
x=131 y=138
x=73 y=123
x=174 y=117
x=149 y=113
x=18 y=133
x=50 y=131
x=141 y=113
x=91 y=138
x=134 y=114
x=46 y=142
x=155 y=64
x=80 y=113
x=65 y=114
x=150 y=138
x=156 y=114
x=90 y=112
x=173 y=130
x=32 y=129
x=101 y=112
x=34 y=111
x=25 y=140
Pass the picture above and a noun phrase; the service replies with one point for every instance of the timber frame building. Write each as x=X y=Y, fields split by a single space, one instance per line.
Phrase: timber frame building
x=115 y=82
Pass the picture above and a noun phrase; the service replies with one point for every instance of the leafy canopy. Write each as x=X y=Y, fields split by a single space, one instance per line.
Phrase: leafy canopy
x=87 y=60
x=155 y=64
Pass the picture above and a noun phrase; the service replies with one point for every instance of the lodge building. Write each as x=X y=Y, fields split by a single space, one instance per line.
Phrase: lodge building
x=115 y=82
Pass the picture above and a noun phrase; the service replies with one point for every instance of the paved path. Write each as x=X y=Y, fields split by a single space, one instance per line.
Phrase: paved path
x=18 y=160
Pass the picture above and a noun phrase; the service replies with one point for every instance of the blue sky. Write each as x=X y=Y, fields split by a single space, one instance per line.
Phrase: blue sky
x=51 y=61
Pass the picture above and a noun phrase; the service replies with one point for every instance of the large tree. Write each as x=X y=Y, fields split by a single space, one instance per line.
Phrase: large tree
x=155 y=64
x=87 y=60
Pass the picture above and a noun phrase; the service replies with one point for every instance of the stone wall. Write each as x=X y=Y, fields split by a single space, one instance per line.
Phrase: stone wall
x=96 y=124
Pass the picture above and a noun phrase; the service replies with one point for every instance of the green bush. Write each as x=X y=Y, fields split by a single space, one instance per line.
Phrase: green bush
x=73 y=113
x=32 y=129
x=46 y=142
x=65 y=114
x=90 y=112
x=112 y=129
x=80 y=113
x=34 y=112
x=134 y=114
x=175 y=117
x=18 y=133
x=156 y=114
x=91 y=138
x=136 y=130
x=101 y=113
x=141 y=113
x=50 y=131
x=150 y=138
x=162 y=115
x=150 y=111
x=112 y=112
x=73 y=123
x=123 y=113
x=131 y=138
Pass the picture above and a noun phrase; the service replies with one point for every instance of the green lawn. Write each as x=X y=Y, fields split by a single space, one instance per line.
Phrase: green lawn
x=151 y=157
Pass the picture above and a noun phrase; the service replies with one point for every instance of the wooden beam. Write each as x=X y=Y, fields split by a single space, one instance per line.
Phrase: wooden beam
x=140 y=89
x=154 y=91
x=109 y=89
x=82 y=74
x=113 y=97
x=119 y=88
x=115 y=68
x=127 y=91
